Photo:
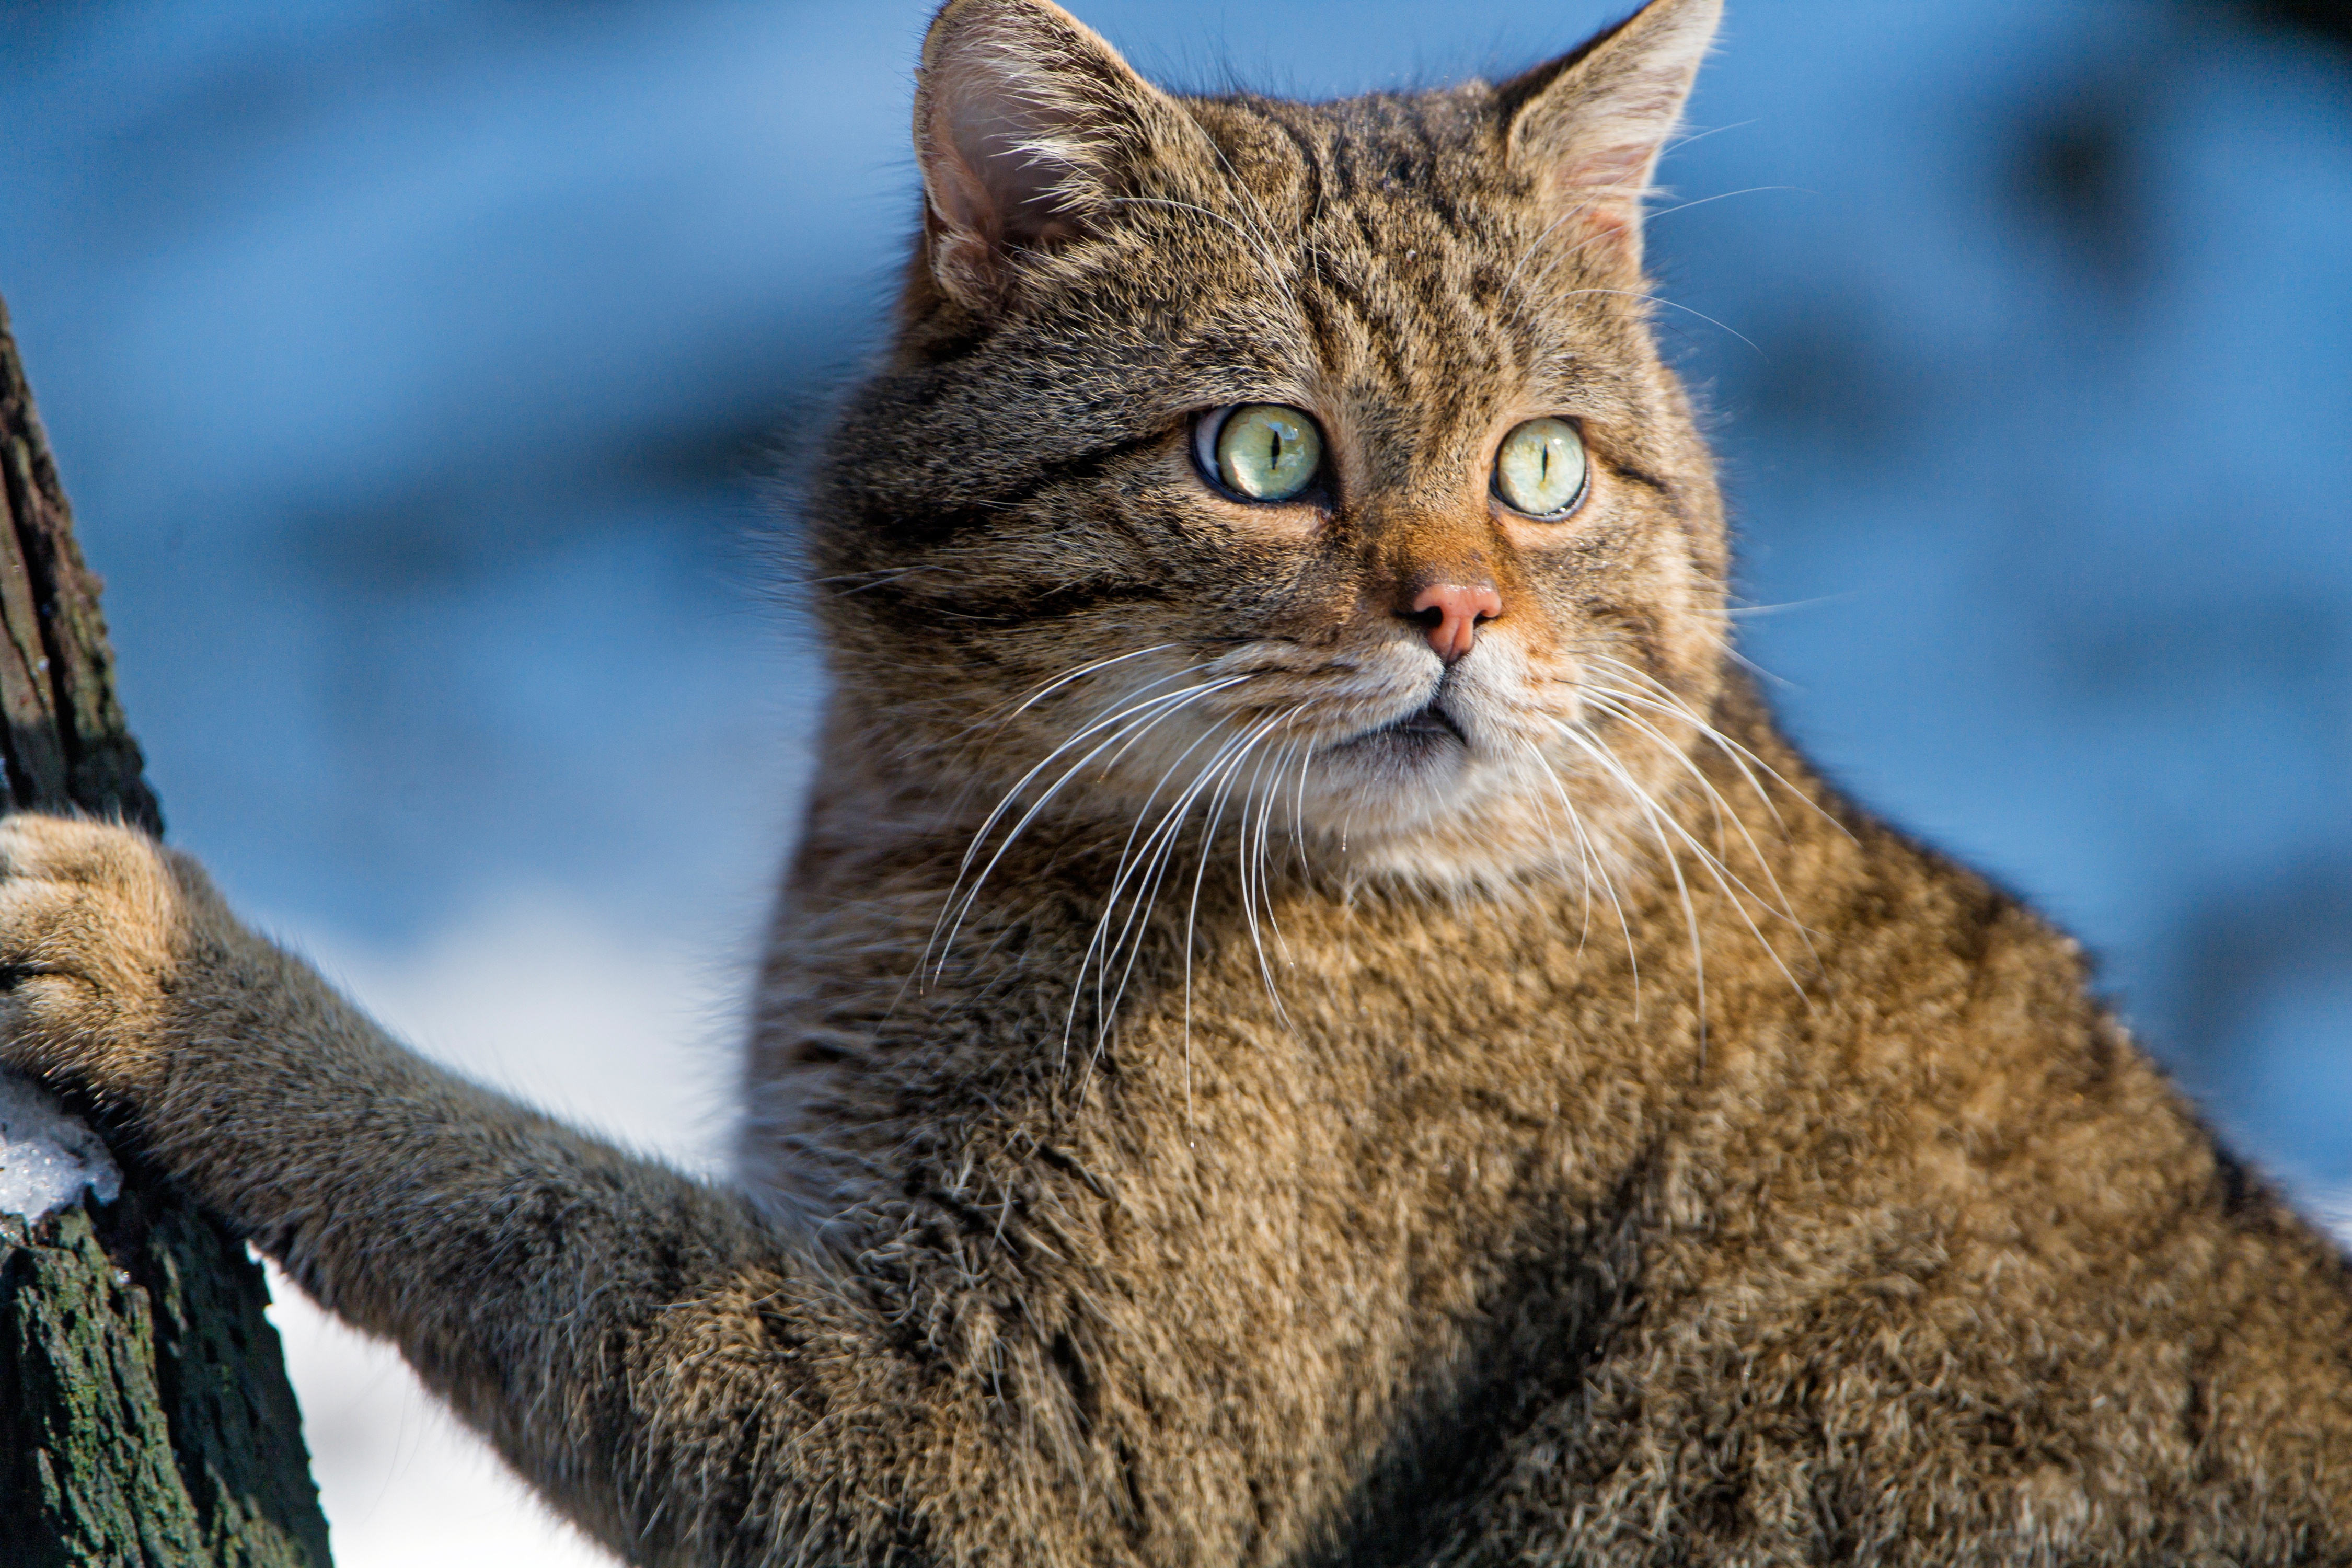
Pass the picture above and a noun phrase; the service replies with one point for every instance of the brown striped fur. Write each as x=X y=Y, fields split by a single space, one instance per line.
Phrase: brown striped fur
x=1581 y=1137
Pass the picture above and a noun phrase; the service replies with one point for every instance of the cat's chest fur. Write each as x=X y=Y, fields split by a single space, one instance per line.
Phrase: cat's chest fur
x=1385 y=1176
x=1425 y=1177
x=1290 y=1033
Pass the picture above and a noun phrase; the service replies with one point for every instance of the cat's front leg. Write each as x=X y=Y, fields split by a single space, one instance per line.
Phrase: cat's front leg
x=637 y=1343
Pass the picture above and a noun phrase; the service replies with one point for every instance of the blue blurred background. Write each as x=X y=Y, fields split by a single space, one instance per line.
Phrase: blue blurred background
x=414 y=370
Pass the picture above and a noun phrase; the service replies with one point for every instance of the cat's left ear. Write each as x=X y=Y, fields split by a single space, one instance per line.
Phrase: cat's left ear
x=1029 y=129
x=1586 y=128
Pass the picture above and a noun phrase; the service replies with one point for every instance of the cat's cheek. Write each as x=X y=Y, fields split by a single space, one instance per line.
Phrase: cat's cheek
x=1202 y=512
x=1281 y=524
x=1538 y=537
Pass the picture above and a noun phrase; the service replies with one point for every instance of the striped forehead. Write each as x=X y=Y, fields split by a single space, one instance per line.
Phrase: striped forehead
x=1404 y=255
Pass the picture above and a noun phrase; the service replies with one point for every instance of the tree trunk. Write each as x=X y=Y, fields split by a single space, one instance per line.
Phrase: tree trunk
x=145 y=1418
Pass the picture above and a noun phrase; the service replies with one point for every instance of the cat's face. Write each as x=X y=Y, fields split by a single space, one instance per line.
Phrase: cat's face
x=1311 y=464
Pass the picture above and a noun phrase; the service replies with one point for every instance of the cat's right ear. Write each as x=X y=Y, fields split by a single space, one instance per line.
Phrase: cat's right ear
x=1028 y=127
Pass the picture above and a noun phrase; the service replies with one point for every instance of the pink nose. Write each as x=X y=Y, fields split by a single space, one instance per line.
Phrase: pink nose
x=1451 y=613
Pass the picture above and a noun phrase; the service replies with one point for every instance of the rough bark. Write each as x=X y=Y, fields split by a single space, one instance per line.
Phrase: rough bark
x=145 y=1418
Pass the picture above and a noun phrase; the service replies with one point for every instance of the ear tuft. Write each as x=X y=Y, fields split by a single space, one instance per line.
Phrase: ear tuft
x=1588 y=128
x=1026 y=126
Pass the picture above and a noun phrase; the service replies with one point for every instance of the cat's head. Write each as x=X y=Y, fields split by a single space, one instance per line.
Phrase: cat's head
x=1310 y=458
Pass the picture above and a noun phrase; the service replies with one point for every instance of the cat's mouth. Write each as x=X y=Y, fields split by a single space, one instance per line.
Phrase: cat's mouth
x=1413 y=738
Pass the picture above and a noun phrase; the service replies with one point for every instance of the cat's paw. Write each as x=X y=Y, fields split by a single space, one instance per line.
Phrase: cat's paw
x=94 y=923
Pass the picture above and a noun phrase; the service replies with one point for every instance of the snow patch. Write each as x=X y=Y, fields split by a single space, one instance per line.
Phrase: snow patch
x=2330 y=1208
x=47 y=1159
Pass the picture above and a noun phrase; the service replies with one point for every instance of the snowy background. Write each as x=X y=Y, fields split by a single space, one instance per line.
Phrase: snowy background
x=411 y=369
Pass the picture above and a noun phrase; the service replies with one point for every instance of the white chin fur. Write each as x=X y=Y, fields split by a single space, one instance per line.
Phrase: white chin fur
x=1453 y=821
x=1348 y=776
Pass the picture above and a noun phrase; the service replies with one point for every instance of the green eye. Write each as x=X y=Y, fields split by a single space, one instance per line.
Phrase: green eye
x=1267 y=451
x=1540 y=469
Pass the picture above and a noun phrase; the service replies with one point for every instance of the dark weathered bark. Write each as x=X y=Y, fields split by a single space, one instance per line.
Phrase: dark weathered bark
x=145 y=1418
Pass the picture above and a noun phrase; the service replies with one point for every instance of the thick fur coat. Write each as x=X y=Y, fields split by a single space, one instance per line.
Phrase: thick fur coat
x=1318 y=1029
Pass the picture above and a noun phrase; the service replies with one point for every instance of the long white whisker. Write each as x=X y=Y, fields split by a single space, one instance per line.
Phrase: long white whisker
x=1716 y=867
x=1084 y=733
x=1157 y=851
x=1165 y=833
x=1250 y=855
x=1146 y=873
x=1217 y=809
x=1754 y=668
x=1137 y=865
x=1730 y=747
x=1585 y=866
x=1193 y=909
x=1608 y=703
x=1154 y=710
x=1298 y=808
x=1584 y=870
x=1536 y=244
x=1713 y=864
x=1649 y=810
x=1653 y=216
x=1002 y=716
x=1268 y=240
x=1527 y=255
x=1786 y=605
x=1143 y=901
x=1265 y=835
x=1702 y=315
x=1589 y=854
x=959 y=909
x=1679 y=142
x=1049 y=687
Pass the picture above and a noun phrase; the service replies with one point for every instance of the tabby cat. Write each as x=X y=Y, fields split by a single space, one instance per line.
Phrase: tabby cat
x=1315 y=1019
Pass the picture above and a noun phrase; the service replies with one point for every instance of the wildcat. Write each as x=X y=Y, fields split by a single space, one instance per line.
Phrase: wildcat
x=1315 y=1019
